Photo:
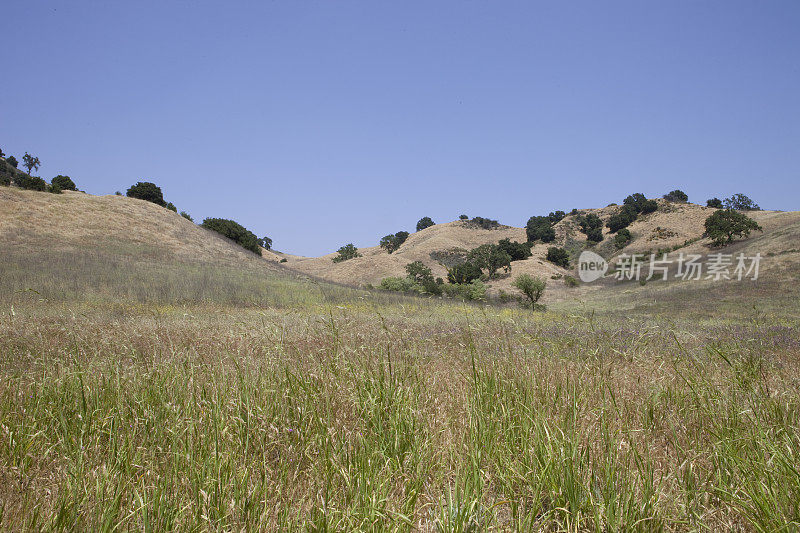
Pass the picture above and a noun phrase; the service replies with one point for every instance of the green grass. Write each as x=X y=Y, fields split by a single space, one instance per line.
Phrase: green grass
x=142 y=395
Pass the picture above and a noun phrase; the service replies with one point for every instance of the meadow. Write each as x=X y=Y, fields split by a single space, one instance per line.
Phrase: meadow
x=207 y=398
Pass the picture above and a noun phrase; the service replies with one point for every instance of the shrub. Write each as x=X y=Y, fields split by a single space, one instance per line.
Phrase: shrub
x=558 y=256
x=1 y=153
x=11 y=160
x=516 y=250
x=396 y=284
x=65 y=183
x=622 y=238
x=463 y=273
x=491 y=258
x=594 y=235
x=540 y=229
x=30 y=183
x=635 y=200
x=118 y=193
x=714 y=202
x=265 y=243
x=145 y=190
x=187 y=216
x=531 y=287
x=649 y=207
x=424 y=222
x=677 y=196
x=484 y=223
x=284 y=260
x=348 y=251
x=55 y=189
x=233 y=231
x=556 y=216
x=391 y=243
x=726 y=224
x=740 y=202
x=622 y=219
x=569 y=281
x=171 y=207
x=463 y=217
x=474 y=290
x=5 y=180
x=422 y=277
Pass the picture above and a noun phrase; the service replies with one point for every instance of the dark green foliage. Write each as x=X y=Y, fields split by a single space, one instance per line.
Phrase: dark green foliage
x=187 y=216
x=11 y=160
x=65 y=183
x=726 y=224
x=491 y=258
x=463 y=273
x=234 y=231
x=424 y=222
x=283 y=260
x=516 y=250
x=463 y=217
x=30 y=183
x=714 y=202
x=594 y=235
x=55 y=189
x=171 y=207
x=391 y=243
x=570 y=281
x=622 y=219
x=740 y=202
x=422 y=276
x=558 y=256
x=5 y=180
x=30 y=162
x=622 y=238
x=589 y=222
x=484 y=223
x=1 y=153
x=649 y=207
x=540 y=229
x=677 y=196
x=348 y=251
x=145 y=190
x=266 y=243
x=556 y=216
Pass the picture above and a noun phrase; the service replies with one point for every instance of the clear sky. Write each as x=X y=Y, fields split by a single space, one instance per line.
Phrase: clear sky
x=323 y=123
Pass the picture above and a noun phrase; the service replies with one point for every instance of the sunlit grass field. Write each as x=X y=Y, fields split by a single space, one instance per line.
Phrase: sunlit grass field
x=205 y=398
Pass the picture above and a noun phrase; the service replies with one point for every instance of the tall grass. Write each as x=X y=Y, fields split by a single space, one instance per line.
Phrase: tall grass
x=407 y=416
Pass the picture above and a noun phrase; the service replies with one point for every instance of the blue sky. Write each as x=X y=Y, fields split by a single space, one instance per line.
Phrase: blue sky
x=322 y=123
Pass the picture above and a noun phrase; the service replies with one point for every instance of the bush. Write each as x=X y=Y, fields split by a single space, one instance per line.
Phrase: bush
x=391 y=243
x=649 y=207
x=677 y=196
x=474 y=290
x=714 y=202
x=740 y=202
x=726 y=224
x=569 y=281
x=64 y=183
x=540 y=229
x=265 y=243
x=145 y=190
x=5 y=180
x=422 y=277
x=556 y=216
x=463 y=273
x=594 y=235
x=396 y=284
x=516 y=250
x=11 y=160
x=55 y=189
x=233 y=231
x=187 y=216
x=622 y=219
x=622 y=238
x=463 y=217
x=171 y=207
x=424 y=222
x=531 y=287
x=558 y=256
x=284 y=260
x=491 y=258
x=30 y=183
x=346 y=252
x=484 y=223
